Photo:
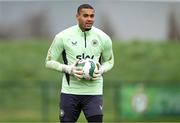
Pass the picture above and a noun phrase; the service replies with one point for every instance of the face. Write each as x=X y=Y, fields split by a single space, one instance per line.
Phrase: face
x=85 y=18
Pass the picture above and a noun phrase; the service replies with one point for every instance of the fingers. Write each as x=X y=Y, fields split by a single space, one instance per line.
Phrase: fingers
x=98 y=65
x=79 y=77
x=76 y=62
x=78 y=73
x=96 y=75
x=96 y=78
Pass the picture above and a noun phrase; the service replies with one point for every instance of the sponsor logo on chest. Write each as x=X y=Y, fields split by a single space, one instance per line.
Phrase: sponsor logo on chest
x=83 y=56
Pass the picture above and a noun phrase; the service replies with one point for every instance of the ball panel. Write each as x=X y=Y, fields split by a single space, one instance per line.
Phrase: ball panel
x=80 y=64
x=86 y=69
x=91 y=70
x=88 y=66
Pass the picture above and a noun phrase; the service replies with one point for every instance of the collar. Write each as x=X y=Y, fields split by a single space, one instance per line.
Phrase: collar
x=82 y=33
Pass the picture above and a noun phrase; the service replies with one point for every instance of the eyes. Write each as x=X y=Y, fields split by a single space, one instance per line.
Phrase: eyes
x=87 y=15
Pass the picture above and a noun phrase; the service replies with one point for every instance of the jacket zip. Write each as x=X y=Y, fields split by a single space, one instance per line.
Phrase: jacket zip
x=85 y=38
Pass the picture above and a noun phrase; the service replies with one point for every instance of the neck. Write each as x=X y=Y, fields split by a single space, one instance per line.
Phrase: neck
x=84 y=29
x=87 y=29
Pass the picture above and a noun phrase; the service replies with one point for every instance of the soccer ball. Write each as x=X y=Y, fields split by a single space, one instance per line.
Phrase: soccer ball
x=88 y=66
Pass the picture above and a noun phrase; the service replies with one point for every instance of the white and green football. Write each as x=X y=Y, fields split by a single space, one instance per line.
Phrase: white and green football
x=88 y=66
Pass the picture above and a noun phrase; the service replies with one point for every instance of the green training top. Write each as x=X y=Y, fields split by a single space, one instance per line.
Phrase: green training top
x=73 y=44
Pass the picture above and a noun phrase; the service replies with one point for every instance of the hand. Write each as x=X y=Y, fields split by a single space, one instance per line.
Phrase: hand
x=98 y=73
x=73 y=70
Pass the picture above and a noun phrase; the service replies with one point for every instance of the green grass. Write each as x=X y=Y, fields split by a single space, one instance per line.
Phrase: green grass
x=25 y=61
x=146 y=62
x=22 y=72
x=133 y=62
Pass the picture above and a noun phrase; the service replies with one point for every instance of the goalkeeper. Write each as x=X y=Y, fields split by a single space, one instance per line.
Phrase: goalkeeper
x=80 y=42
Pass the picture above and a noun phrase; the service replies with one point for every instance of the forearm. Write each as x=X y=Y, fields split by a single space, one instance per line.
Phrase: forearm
x=53 y=54
x=106 y=66
x=52 y=64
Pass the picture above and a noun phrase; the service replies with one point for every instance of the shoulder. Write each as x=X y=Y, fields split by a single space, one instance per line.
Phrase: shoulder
x=67 y=31
x=100 y=33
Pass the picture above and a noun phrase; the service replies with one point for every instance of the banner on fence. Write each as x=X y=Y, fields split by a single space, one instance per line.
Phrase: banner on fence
x=149 y=100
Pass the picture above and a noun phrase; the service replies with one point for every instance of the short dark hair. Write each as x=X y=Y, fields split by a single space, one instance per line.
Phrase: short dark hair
x=84 y=6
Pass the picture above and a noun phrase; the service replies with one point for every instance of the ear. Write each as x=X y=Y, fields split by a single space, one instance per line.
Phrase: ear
x=77 y=16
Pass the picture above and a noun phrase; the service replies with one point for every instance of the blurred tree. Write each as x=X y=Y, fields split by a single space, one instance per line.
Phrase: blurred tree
x=38 y=26
x=174 y=32
x=106 y=25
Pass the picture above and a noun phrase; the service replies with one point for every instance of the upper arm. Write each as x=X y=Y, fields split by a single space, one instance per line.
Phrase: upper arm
x=107 y=53
x=55 y=49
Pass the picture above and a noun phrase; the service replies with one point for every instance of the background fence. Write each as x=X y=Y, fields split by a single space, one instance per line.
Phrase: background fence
x=40 y=103
x=123 y=102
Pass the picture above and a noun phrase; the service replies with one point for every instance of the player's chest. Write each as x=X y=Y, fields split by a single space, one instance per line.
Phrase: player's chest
x=83 y=44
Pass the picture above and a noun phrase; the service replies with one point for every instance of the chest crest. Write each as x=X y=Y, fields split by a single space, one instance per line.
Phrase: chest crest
x=94 y=43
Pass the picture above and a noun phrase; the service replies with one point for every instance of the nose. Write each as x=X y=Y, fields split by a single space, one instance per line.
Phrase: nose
x=90 y=18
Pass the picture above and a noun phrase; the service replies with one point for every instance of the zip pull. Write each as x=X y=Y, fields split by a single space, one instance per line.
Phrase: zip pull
x=85 y=38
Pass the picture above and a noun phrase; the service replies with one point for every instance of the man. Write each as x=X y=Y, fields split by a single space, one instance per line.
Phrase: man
x=80 y=42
